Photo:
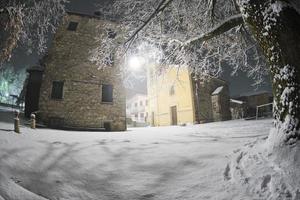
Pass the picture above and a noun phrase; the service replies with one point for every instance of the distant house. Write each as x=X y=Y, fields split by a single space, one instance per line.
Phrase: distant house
x=74 y=93
x=253 y=99
x=136 y=109
x=179 y=97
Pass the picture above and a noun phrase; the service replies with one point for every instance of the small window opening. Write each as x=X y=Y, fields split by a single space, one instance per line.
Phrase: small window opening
x=172 y=90
x=57 y=90
x=72 y=26
x=107 y=93
x=111 y=34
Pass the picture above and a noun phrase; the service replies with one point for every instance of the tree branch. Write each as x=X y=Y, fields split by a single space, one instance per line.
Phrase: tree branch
x=223 y=27
x=162 y=5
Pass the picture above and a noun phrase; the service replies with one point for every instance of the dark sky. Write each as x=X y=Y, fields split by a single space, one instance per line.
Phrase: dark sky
x=85 y=6
x=237 y=84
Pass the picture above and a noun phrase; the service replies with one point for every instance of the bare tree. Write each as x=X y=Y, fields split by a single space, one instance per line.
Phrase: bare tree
x=27 y=23
x=256 y=36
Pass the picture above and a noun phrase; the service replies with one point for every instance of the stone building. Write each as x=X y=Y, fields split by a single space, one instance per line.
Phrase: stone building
x=220 y=104
x=178 y=97
x=74 y=92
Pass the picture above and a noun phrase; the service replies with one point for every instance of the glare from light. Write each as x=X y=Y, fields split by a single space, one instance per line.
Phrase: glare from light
x=135 y=63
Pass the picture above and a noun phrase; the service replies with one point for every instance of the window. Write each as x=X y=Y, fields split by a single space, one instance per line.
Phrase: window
x=136 y=115
x=172 y=90
x=141 y=103
x=136 y=104
x=111 y=34
x=57 y=90
x=146 y=102
x=72 y=26
x=107 y=93
x=142 y=115
x=109 y=60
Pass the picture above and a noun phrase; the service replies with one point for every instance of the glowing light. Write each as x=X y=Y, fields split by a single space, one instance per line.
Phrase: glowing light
x=135 y=63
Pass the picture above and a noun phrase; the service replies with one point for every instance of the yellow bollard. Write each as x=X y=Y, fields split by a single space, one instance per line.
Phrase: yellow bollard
x=32 y=121
x=17 y=122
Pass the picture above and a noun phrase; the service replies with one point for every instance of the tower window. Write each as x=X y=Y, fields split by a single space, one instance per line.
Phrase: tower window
x=72 y=26
x=57 y=90
x=107 y=93
x=111 y=34
x=172 y=90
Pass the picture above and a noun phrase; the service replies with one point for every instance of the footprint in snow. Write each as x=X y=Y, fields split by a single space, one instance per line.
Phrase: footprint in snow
x=147 y=196
x=266 y=181
x=226 y=173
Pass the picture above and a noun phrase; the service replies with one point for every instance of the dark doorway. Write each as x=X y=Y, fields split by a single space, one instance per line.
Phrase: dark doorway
x=174 y=115
x=152 y=119
x=33 y=90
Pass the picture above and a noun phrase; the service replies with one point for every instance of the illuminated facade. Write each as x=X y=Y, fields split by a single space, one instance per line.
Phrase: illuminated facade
x=176 y=98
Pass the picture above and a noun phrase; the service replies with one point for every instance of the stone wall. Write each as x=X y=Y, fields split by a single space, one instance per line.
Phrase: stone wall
x=67 y=61
x=221 y=105
x=203 y=90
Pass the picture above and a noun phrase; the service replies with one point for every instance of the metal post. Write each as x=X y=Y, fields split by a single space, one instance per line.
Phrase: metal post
x=32 y=121
x=257 y=112
x=17 y=122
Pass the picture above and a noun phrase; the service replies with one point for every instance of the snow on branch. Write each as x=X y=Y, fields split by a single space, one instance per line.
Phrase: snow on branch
x=223 y=27
x=162 y=5
x=182 y=32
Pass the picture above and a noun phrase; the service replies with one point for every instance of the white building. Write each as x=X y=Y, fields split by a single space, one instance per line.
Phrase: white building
x=136 y=108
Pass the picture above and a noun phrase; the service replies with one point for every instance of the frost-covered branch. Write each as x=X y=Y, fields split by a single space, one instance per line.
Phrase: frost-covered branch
x=28 y=23
x=188 y=23
x=162 y=5
x=223 y=27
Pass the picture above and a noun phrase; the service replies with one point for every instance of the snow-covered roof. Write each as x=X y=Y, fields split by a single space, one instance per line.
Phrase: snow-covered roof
x=236 y=101
x=137 y=97
x=218 y=90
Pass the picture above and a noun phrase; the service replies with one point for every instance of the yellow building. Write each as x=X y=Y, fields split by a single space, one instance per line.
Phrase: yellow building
x=176 y=98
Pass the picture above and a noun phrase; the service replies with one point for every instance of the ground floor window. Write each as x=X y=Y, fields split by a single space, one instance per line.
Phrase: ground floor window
x=57 y=90
x=107 y=93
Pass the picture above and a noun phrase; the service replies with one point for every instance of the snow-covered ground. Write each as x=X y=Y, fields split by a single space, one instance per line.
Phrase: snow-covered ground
x=165 y=163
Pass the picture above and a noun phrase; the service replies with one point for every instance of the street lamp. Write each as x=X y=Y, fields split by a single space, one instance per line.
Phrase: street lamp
x=135 y=63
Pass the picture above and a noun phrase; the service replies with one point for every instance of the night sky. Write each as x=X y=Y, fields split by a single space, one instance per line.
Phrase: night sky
x=238 y=84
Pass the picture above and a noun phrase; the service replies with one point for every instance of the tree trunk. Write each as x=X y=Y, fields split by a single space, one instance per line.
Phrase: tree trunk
x=276 y=26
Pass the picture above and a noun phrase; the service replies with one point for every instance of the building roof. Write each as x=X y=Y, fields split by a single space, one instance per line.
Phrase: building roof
x=134 y=97
x=253 y=93
x=218 y=90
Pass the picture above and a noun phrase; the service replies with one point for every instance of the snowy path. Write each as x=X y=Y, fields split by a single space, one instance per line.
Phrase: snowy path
x=166 y=163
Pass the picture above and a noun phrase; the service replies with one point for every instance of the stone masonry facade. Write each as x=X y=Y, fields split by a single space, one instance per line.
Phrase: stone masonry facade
x=82 y=82
x=205 y=102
